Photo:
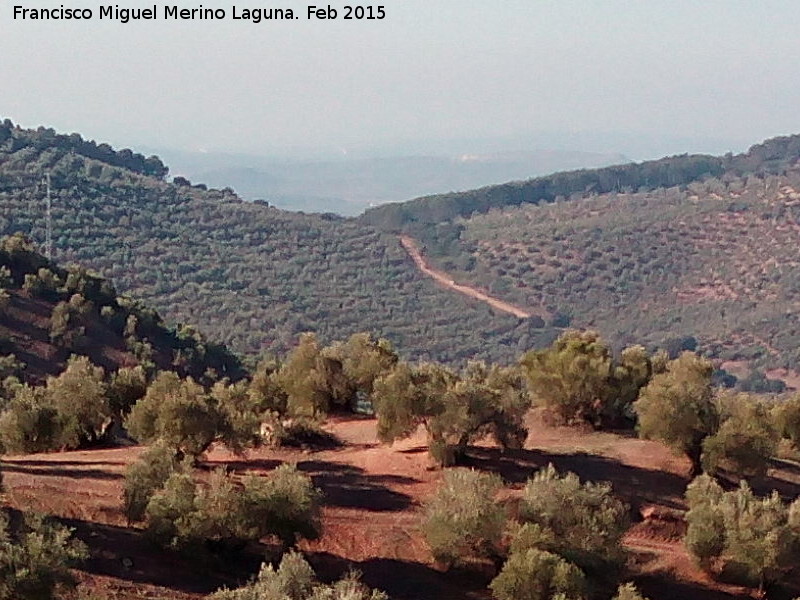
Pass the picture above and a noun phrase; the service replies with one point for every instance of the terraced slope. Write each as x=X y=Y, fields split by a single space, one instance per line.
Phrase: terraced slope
x=244 y=273
x=718 y=260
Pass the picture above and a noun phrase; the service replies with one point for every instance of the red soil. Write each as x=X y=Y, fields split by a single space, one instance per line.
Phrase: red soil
x=373 y=496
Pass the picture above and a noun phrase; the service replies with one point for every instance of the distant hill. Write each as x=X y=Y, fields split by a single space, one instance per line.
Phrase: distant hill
x=48 y=313
x=773 y=156
x=681 y=251
x=348 y=186
x=716 y=261
x=248 y=275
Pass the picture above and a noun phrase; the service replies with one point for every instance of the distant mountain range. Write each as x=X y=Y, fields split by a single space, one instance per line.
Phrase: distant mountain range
x=348 y=185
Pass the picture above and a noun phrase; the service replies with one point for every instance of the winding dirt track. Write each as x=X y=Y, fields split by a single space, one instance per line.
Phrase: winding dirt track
x=413 y=251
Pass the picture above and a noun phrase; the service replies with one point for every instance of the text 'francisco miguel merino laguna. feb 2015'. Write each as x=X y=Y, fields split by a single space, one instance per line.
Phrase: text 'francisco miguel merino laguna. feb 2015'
x=200 y=13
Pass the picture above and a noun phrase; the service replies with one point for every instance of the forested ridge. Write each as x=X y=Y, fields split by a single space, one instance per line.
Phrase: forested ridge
x=695 y=248
x=715 y=261
x=770 y=157
x=49 y=313
x=245 y=274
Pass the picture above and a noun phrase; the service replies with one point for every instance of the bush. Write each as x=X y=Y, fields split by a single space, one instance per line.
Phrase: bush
x=754 y=539
x=294 y=580
x=463 y=519
x=581 y=521
x=745 y=441
x=145 y=477
x=179 y=413
x=225 y=514
x=35 y=560
x=538 y=575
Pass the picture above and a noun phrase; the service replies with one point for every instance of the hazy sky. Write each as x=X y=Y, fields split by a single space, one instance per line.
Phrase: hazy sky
x=432 y=69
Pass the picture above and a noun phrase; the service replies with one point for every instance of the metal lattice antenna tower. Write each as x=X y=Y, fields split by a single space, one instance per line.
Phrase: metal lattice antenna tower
x=48 y=244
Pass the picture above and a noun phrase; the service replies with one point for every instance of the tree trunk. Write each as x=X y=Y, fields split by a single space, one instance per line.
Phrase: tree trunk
x=695 y=454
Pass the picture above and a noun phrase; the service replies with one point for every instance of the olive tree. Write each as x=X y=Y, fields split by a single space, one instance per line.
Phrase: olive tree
x=145 y=477
x=581 y=521
x=628 y=591
x=79 y=395
x=535 y=574
x=756 y=539
x=455 y=409
x=745 y=441
x=577 y=379
x=227 y=513
x=36 y=558
x=677 y=407
x=178 y=412
x=463 y=519
x=294 y=579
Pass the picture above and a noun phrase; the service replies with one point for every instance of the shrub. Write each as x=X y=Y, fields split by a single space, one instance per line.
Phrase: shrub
x=581 y=521
x=463 y=519
x=35 y=560
x=183 y=514
x=294 y=579
x=538 y=575
x=745 y=441
x=756 y=539
x=145 y=477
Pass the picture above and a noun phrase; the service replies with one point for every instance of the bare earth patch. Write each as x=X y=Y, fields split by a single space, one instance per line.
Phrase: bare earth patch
x=373 y=498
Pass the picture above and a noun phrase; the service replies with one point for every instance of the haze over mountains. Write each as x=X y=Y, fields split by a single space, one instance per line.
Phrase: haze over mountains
x=348 y=184
x=349 y=179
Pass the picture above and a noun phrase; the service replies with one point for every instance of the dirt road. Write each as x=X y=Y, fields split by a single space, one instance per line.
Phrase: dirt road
x=413 y=251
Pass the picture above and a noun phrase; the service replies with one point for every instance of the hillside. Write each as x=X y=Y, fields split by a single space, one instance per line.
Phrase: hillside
x=247 y=274
x=770 y=157
x=48 y=313
x=685 y=247
x=716 y=260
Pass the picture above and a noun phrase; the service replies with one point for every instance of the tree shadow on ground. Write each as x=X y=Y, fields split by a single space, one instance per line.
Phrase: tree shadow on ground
x=664 y=585
x=635 y=485
x=62 y=463
x=53 y=471
x=127 y=554
x=344 y=485
x=348 y=486
x=244 y=466
x=404 y=580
